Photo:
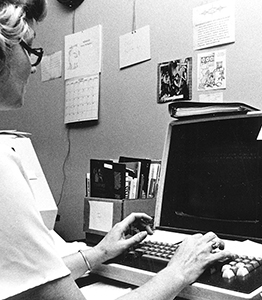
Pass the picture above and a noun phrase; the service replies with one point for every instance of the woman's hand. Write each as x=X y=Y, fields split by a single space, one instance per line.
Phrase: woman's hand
x=116 y=241
x=196 y=253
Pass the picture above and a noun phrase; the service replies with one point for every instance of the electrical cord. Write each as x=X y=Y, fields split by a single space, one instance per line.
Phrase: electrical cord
x=63 y=167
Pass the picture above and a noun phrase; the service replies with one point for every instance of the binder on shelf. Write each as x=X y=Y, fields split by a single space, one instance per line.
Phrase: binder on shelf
x=192 y=109
x=101 y=179
x=107 y=179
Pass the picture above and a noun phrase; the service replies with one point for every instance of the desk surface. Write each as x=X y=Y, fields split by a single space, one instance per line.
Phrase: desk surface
x=93 y=279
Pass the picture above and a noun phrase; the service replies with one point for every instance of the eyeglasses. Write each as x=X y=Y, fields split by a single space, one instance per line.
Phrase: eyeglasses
x=37 y=52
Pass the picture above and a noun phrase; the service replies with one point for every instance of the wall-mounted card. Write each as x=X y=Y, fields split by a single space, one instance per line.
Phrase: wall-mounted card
x=51 y=66
x=175 y=80
x=134 y=47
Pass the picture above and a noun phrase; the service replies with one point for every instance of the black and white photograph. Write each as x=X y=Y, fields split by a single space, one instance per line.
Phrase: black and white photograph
x=175 y=80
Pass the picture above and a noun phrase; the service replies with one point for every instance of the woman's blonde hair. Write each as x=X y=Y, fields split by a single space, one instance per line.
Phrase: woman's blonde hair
x=13 y=25
x=14 y=18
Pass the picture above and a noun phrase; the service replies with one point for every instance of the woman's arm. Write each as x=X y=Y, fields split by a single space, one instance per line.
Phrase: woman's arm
x=190 y=260
x=61 y=289
x=113 y=244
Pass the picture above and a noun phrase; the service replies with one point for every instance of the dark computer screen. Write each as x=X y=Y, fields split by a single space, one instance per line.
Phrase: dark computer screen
x=213 y=177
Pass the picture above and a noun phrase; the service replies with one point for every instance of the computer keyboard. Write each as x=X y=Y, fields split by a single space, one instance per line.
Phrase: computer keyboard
x=233 y=279
x=160 y=252
x=149 y=255
x=242 y=274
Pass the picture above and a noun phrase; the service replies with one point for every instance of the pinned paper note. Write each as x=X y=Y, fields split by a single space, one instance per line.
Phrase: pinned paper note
x=211 y=97
x=51 y=66
x=134 y=47
x=101 y=215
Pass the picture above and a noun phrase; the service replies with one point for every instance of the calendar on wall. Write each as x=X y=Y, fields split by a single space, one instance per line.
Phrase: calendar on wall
x=81 y=99
x=82 y=74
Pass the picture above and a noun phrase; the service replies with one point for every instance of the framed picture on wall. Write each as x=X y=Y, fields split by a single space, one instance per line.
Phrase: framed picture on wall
x=175 y=80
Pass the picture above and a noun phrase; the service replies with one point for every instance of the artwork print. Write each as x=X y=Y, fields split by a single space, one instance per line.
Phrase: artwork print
x=175 y=80
x=211 y=70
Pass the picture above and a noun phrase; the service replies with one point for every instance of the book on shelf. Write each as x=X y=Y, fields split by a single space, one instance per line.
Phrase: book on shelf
x=87 y=182
x=107 y=179
x=101 y=180
x=143 y=178
x=153 y=178
x=123 y=179
x=132 y=171
x=119 y=173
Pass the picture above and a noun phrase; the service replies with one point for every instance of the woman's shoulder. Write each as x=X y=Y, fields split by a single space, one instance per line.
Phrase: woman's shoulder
x=6 y=150
x=8 y=156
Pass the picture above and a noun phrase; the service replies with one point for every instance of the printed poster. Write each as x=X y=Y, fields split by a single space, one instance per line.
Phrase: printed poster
x=214 y=24
x=211 y=70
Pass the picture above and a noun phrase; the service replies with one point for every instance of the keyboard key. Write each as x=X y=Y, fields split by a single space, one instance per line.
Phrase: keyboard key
x=242 y=272
x=153 y=257
x=240 y=265
x=249 y=267
x=225 y=267
x=228 y=274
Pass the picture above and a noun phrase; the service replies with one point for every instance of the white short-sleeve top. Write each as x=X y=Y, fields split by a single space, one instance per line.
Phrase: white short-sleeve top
x=27 y=253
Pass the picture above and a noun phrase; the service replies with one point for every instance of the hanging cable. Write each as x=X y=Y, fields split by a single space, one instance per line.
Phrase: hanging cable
x=74 y=18
x=63 y=167
x=134 y=17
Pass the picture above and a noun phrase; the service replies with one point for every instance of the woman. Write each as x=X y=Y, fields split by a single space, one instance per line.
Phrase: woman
x=29 y=264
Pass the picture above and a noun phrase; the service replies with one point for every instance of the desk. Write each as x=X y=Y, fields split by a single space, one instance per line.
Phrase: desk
x=97 y=287
x=209 y=286
x=93 y=278
x=100 y=286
